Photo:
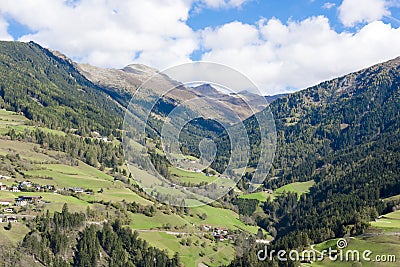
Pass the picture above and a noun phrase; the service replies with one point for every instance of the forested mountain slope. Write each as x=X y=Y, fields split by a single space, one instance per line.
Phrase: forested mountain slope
x=344 y=134
x=50 y=91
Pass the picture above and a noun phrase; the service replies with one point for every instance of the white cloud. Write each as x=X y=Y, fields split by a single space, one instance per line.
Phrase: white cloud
x=298 y=54
x=328 y=5
x=223 y=3
x=275 y=55
x=4 y=35
x=355 y=11
x=109 y=33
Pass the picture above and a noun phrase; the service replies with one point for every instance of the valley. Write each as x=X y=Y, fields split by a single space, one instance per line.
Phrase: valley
x=71 y=196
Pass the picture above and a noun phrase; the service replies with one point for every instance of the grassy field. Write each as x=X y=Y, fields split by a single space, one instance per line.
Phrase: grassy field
x=219 y=218
x=191 y=177
x=382 y=239
x=118 y=194
x=298 y=187
x=12 y=120
x=15 y=234
x=378 y=245
x=141 y=221
x=215 y=254
x=389 y=222
x=260 y=196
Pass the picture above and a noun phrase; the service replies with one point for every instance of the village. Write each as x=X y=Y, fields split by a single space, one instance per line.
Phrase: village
x=9 y=206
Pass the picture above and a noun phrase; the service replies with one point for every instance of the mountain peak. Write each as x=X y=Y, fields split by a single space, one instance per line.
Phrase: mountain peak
x=206 y=89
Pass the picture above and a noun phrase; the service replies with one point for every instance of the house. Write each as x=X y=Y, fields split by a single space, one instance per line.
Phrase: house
x=3 y=187
x=206 y=227
x=269 y=191
x=76 y=189
x=5 y=202
x=21 y=203
x=25 y=183
x=220 y=232
x=8 y=210
x=11 y=219
x=96 y=134
x=14 y=189
x=105 y=139
x=30 y=199
x=48 y=187
x=4 y=177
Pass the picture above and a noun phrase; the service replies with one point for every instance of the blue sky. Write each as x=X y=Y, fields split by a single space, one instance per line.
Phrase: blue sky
x=281 y=45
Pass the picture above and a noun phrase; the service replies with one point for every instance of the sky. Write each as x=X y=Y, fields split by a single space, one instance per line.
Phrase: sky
x=281 y=45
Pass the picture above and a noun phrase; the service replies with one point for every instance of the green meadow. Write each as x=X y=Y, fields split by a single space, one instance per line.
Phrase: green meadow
x=191 y=177
x=298 y=187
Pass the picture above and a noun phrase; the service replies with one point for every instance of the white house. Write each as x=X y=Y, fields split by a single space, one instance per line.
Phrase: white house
x=11 y=219
x=4 y=202
x=9 y=210
x=15 y=189
x=21 y=203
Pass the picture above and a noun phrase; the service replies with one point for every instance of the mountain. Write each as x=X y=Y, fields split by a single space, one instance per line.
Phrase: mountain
x=343 y=134
x=49 y=90
x=122 y=84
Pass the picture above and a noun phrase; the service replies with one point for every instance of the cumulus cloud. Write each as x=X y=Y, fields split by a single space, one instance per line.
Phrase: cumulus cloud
x=109 y=33
x=4 y=35
x=223 y=3
x=328 y=5
x=279 y=57
x=355 y=11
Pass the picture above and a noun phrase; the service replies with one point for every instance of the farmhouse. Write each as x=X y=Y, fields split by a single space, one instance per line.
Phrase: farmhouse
x=25 y=184
x=15 y=189
x=11 y=219
x=206 y=227
x=30 y=199
x=21 y=203
x=269 y=191
x=5 y=202
x=76 y=189
x=219 y=232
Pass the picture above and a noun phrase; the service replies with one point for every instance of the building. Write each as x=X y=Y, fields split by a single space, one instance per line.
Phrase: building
x=14 y=189
x=206 y=227
x=76 y=189
x=8 y=210
x=21 y=203
x=5 y=202
x=24 y=200
x=25 y=184
x=11 y=219
x=269 y=191
x=3 y=187
x=219 y=232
